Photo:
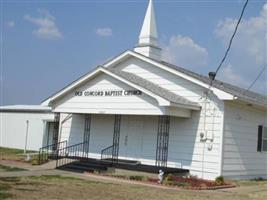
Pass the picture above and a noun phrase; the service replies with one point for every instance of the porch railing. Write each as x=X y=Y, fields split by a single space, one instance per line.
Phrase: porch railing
x=108 y=154
x=71 y=153
x=50 y=151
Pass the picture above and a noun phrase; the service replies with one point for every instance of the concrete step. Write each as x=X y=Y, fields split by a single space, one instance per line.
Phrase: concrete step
x=83 y=166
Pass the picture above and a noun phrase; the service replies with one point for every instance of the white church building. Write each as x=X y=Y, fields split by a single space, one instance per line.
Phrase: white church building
x=138 y=108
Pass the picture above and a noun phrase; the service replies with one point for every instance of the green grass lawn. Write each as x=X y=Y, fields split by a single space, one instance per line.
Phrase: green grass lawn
x=8 y=151
x=4 y=168
x=62 y=187
x=12 y=154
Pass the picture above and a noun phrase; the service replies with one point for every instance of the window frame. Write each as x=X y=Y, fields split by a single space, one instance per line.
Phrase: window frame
x=264 y=128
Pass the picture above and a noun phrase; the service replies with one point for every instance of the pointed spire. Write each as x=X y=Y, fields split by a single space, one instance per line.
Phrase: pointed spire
x=148 y=43
x=148 y=33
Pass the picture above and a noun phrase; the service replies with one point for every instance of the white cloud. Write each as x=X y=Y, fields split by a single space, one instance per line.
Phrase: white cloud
x=104 y=32
x=10 y=24
x=228 y=75
x=248 y=52
x=47 y=28
x=183 y=51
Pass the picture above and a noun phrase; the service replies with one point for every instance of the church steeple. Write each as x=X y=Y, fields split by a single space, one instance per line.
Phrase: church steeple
x=148 y=38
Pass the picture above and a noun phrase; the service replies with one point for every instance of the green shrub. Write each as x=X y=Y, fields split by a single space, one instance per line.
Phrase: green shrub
x=174 y=183
x=219 y=180
x=169 y=178
x=259 y=179
x=137 y=178
x=119 y=176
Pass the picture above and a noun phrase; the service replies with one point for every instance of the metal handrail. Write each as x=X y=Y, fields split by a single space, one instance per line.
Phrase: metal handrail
x=50 y=151
x=68 y=154
x=108 y=154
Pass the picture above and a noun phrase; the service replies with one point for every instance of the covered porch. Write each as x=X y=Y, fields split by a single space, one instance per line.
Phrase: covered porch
x=115 y=116
x=133 y=142
x=140 y=139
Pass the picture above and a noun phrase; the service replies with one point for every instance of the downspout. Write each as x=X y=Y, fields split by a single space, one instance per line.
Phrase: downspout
x=204 y=141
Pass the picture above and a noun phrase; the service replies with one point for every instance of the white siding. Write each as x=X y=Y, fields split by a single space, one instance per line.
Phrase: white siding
x=240 y=156
x=71 y=128
x=162 y=78
x=186 y=149
x=101 y=136
x=107 y=104
x=13 y=129
x=139 y=138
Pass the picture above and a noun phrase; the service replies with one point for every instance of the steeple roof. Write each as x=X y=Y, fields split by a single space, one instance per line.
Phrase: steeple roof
x=149 y=35
x=148 y=38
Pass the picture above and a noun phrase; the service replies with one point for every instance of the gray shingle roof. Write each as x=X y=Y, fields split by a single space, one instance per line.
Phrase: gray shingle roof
x=242 y=94
x=166 y=94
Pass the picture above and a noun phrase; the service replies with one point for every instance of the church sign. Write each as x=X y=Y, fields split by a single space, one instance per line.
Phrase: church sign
x=108 y=93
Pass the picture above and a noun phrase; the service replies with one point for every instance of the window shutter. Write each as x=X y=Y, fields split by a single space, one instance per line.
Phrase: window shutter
x=259 y=147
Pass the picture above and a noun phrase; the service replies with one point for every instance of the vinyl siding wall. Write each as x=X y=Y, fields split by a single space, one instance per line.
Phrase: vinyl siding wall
x=107 y=104
x=240 y=157
x=138 y=139
x=13 y=129
x=186 y=150
x=203 y=158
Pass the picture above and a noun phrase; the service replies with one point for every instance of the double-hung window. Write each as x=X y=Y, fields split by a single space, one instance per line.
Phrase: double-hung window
x=262 y=139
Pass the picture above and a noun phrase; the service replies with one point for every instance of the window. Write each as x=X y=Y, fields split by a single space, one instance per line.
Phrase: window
x=262 y=139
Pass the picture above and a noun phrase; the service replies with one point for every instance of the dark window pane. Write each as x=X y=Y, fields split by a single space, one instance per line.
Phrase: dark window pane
x=264 y=145
x=265 y=132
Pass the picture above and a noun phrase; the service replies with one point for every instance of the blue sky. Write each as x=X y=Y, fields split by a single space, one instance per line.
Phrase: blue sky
x=48 y=44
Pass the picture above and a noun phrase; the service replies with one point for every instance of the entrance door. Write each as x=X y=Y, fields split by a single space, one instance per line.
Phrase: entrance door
x=131 y=143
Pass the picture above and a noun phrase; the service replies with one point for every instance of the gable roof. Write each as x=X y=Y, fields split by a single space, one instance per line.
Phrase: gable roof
x=164 y=97
x=233 y=92
x=240 y=93
x=166 y=94
x=228 y=91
